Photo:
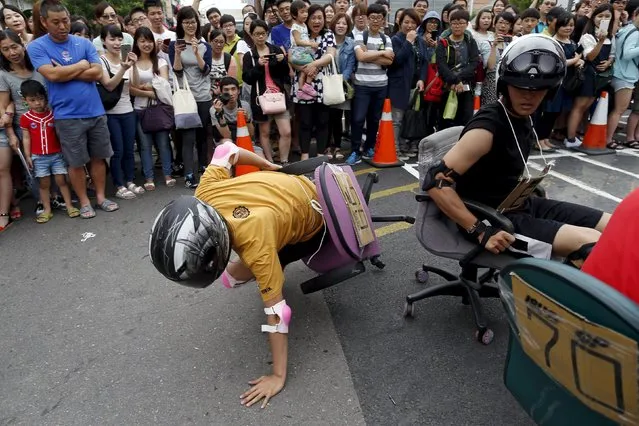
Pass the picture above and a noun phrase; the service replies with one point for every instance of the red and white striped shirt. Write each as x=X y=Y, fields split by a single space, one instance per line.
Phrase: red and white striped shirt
x=41 y=128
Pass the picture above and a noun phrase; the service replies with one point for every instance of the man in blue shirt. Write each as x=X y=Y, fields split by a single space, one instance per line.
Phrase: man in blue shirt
x=71 y=67
x=281 y=34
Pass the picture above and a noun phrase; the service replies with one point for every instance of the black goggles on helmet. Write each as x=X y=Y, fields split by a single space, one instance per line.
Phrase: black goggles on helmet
x=539 y=61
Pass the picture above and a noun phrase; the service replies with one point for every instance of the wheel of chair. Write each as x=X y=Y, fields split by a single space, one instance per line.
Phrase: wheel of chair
x=422 y=276
x=485 y=336
x=409 y=310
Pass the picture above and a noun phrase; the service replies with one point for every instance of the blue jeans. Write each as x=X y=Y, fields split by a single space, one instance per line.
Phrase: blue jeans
x=161 y=141
x=366 y=108
x=122 y=129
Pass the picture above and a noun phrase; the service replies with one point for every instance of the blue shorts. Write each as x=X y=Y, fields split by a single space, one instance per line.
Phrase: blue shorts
x=50 y=164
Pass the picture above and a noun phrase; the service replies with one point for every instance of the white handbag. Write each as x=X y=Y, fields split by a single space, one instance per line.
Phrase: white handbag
x=332 y=84
x=184 y=106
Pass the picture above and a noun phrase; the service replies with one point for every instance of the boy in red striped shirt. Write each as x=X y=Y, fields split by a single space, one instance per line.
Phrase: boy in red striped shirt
x=42 y=149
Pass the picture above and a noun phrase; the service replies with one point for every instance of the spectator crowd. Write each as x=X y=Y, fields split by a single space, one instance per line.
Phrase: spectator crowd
x=81 y=96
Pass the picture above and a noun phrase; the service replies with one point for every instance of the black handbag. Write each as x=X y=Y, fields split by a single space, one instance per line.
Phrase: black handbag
x=110 y=98
x=157 y=117
x=575 y=79
x=413 y=127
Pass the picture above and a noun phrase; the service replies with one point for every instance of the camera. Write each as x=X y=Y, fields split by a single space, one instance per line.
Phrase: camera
x=224 y=98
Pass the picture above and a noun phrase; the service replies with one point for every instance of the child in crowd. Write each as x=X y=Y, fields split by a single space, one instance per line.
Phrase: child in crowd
x=42 y=149
x=302 y=49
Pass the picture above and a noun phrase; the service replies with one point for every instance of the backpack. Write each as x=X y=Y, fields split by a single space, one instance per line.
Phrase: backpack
x=365 y=40
x=621 y=46
x=480 y=72
x=227 y=60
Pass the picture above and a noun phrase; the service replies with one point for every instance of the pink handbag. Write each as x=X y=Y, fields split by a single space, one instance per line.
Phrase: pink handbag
x=273 y=101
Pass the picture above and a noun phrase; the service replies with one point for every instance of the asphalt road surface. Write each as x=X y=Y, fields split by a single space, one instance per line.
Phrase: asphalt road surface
x=92 y=334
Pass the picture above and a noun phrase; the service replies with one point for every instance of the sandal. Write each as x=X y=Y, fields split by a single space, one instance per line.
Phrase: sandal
x=108 y=206
x=338 y=154
x=170 y=182
x=615 y=145
x=2 y=228
x=73 y=212
x=16 y=213
x=44 y=217
x=125 y=194
x=150 y=186
x=137 y=190
x=632 y=144
x=87 y=212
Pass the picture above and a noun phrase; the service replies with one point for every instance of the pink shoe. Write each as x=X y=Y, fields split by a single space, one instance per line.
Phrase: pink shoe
x=302 y=95
x=308 y=89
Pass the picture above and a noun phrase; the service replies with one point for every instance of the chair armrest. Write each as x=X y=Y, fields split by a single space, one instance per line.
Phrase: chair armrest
x=480 y=210
x=493 y=216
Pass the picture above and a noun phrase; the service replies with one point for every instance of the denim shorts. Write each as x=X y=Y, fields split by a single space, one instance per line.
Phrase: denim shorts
x=50 y=164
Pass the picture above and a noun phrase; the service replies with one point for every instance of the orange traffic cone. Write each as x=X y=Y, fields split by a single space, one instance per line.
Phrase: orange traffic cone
x=385 y=151
x=243 y=141
x=594 y=142
x=477 y=100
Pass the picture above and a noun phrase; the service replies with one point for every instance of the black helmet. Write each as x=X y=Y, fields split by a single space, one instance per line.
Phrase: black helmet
x=189 y=242
x=532 y=62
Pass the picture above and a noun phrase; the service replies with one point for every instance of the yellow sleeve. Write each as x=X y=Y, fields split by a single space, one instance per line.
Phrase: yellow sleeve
x=213 y=174
x=261 y=256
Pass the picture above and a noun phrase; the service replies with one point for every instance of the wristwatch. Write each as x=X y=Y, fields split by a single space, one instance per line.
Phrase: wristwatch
x=477 y=229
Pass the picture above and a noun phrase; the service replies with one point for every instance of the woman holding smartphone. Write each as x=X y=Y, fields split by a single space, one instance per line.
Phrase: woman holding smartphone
x=256 y=61
x=121 y=119
x=503 y=27
x=191 y=59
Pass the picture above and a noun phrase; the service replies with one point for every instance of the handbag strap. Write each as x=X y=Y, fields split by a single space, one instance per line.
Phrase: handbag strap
x=185 y=82
x=332 y=66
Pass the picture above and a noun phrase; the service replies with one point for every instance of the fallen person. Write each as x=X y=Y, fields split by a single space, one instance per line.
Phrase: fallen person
x=490 y=161
x=269 y=219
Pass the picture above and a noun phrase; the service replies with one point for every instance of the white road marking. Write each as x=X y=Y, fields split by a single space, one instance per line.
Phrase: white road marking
x=600 y=164
x=627 y=151
x=411 y=168
x=576 y=183
x=553 y=155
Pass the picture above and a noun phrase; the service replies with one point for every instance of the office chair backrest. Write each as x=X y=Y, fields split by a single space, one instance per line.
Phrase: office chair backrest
x=433 y=148
x=436 y=233
x=572 y=355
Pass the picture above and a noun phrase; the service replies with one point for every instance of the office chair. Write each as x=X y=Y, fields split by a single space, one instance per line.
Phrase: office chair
x=440 y=236
x=572 y=351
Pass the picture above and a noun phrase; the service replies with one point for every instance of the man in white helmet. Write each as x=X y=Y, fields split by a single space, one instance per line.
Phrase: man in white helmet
x=490 y=160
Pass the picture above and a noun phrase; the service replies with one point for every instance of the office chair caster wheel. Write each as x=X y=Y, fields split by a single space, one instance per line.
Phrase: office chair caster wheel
x=485 y=336
x=422 y=276
x=409 y=310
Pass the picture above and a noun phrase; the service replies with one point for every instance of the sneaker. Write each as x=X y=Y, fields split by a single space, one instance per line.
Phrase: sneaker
x=39 y=208
x=354 y=158
x=178 y=170
x=368 y=154
x=58 y=203
x=401 y=156
x=575 y=143
x=304 y=96
x=190 y=182
x=202 y=169
x=308 y=89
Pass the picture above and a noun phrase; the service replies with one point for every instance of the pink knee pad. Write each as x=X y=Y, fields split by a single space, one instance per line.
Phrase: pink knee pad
x=223 y=153
x=284 y=312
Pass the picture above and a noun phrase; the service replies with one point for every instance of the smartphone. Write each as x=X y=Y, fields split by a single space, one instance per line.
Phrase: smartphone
x=507 y=39
x=166 y=41
x=580 y=50
x=434 y=35
x=125 y=49
x=180 y=42
x=604 y=24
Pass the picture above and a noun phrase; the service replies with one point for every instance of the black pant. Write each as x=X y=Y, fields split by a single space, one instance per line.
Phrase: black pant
x=335 y=126
x=313 y=116
x=545 y=124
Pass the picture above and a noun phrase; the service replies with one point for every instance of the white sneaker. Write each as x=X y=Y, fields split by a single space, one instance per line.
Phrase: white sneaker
x=575 y=144
x=401 y=156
